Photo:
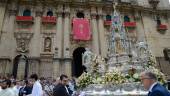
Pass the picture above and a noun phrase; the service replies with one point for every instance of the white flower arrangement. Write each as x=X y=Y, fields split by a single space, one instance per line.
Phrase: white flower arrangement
x=114 y=78
x=84 y=80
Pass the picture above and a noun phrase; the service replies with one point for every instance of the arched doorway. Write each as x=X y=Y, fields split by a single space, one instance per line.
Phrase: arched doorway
x=15 y=66
x=77 y=67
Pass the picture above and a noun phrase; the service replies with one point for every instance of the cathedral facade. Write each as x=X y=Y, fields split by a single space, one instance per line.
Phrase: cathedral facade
x=48 y=37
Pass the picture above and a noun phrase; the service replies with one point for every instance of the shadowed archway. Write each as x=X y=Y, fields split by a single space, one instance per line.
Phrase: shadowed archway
x=15 y=66
x=77 y=67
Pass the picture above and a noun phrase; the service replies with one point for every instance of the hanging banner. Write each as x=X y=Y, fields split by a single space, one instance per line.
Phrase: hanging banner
x=81 y=29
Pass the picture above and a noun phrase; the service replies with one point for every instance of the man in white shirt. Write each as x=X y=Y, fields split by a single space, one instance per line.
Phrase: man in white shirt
x=6 y=90
x=37 y=88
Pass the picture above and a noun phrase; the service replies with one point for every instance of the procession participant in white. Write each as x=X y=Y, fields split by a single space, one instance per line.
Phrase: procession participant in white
x=37 y=88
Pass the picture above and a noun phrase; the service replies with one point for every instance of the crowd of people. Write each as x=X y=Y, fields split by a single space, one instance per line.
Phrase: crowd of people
x=34 y=86
x=63 y=86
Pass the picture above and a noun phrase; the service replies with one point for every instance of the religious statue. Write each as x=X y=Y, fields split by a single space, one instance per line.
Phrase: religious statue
x=142 y=49
x=47 y=44
x=119 y=47
x=87 y=58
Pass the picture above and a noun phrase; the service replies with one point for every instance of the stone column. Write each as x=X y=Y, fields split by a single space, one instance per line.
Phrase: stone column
x=95 y=38
x=56 y=68
x=102 y=34
x=11 y=25
x=168 y=20
x=47 y=62
x=11 y=42
x=58 y=43
x=59 y=34
x=2 y=11
x=36 y=45
x=67 y=62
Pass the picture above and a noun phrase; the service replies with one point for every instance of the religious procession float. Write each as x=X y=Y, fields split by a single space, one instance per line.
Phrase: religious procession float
x=119 y=73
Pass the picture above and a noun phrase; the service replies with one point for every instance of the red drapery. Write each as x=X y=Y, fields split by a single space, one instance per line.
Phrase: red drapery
x=81 y=29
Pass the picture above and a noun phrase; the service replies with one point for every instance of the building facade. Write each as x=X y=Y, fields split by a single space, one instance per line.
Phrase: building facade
x=37 y=36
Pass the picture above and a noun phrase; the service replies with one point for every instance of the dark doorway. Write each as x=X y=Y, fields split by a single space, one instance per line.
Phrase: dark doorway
x=15 y=66
x=77 y=67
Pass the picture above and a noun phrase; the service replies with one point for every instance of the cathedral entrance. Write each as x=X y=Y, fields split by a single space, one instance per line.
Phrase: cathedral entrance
x=77 y=67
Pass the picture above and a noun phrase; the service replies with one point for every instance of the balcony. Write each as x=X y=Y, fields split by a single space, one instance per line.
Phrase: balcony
x=28 y=19
x=49 y=20
x=130 y=24
x=107 y=23
x=162 y=27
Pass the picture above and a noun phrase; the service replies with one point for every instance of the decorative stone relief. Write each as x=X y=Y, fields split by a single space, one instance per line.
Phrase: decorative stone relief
x=56 y=53
x=23 y=40
x=39 y=10
x=67 y=53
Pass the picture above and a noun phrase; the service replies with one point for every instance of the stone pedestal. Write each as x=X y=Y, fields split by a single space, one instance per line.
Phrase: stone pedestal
x=56 y=68
x=46 y=65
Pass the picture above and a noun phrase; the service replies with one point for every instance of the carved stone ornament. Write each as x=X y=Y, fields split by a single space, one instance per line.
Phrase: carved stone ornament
x=22 y=40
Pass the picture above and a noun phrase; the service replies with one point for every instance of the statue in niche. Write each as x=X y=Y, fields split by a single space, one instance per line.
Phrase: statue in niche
x=87 y=58
x=47 y=44
x=119 y=48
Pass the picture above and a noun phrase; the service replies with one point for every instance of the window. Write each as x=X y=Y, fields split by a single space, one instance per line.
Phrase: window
x=108 y=18
x=27 y=12
x=49 y=13
x=80 y=15
x=126 y=19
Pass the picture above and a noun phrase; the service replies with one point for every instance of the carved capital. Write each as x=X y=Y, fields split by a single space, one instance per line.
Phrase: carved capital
x=39 y=10
x=99 y=10
x=13 y=6
x=59 y=14
x=67 y=9
x=93 y=10
x=59 y=8
x=39 y=13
